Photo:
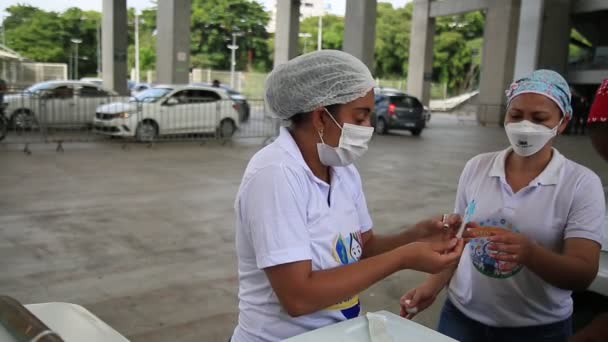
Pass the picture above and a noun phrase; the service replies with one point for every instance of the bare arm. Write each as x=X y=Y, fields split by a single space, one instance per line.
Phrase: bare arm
x=302 y=291
x=573 y=269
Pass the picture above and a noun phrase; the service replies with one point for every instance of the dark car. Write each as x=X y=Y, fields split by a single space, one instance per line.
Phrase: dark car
x=397 y=110
x=240 y=101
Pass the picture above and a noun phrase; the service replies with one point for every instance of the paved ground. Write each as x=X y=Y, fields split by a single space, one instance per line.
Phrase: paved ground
x=143 y=237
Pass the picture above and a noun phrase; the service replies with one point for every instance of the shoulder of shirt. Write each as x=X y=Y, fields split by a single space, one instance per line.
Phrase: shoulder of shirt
x=484 y=159
x=579 y=173
x=272 y=160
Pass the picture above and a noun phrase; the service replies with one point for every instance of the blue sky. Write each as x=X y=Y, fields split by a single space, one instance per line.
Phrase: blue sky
x=337 y=6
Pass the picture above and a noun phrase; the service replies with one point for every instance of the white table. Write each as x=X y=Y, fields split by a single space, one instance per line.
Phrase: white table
x=357 y=330
x=74 y=323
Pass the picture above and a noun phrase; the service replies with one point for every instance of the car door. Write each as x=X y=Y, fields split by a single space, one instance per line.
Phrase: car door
x=178 y=113
x=88 y=98
x=207 y=109
x=58 y=106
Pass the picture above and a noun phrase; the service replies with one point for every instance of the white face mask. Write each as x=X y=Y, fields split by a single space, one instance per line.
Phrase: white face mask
x=352 y=145
x=527 y=138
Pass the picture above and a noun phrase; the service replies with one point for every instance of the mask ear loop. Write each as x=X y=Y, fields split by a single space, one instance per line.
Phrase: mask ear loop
x=556 y=128
x=332 y=118
x=320 y=133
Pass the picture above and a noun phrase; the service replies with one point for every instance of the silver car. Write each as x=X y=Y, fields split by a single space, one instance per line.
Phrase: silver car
x=56 y=104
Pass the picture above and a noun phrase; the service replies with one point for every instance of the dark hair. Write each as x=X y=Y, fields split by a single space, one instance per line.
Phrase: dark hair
x=301 y=118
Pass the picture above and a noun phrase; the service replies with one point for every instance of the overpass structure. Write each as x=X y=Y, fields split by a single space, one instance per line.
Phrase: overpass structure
x=519 y=36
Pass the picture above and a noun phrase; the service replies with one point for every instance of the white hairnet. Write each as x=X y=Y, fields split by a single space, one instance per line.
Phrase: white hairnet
x=314 y=80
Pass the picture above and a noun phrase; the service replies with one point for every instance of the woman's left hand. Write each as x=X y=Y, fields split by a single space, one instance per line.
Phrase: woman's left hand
x=438 y=228
x=512 y=248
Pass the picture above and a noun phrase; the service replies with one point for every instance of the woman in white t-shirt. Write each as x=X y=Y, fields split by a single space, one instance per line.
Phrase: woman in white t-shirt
x=304 y=236
x=547 y=213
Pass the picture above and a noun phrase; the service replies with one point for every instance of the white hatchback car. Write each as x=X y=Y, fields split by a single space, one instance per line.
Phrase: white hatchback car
x=169 y=110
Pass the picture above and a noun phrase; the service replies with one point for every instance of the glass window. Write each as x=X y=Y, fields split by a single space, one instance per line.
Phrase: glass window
x=152 y=94
x=61 y=92
x=88 y=91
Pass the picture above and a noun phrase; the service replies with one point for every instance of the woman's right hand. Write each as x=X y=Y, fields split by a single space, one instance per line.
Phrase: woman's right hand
x=417 y=300
x=432 y=257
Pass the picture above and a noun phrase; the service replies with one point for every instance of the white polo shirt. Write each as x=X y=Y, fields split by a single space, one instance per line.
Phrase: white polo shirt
x=286 y=214
x=565 y=201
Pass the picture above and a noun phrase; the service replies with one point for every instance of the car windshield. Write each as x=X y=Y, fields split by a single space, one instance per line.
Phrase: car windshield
x=152 y=95
x=39 y=87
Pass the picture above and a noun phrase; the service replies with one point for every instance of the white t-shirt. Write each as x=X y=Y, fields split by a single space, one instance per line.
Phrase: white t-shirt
x=286 y=214
x=565 y=201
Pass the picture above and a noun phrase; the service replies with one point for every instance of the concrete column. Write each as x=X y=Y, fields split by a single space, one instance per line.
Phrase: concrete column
x=555 y=36
x=420 y=68
x=173 y=41
x=360 y=30
x=114 y=45
x=287 y=29
x=529 y=37
x=498 y=60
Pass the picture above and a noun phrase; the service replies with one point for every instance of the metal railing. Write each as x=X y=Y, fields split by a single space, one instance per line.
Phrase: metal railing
x=55 y=118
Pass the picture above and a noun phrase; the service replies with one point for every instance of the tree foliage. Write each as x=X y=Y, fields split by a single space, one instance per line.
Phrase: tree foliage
x=45 y=36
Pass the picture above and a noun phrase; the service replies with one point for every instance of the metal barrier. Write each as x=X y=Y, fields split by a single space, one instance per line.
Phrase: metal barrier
x=62 y=118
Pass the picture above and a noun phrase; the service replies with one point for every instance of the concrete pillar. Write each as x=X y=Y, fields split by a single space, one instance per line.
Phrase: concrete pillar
x=555 y=36
x=544 y=36
x=498 y=59
x=529 y=37
x=173 y=41
x=360 y=30
x=114 y=45
x=287 y=29
x=420 y=68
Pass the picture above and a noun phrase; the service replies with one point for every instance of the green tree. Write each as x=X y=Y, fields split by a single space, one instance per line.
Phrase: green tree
x=46 y=36
x=333 y=28
x=212 y=25
x=392 y=40
x=457 y=50
x=36 y=34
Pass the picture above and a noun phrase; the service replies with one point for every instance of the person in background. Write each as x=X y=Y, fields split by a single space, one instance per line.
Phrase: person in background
x=3 y=90
x=598 y=120
x=216 y=83
x=585 y=106
x=547 y=212
x=597 y=331
x=577 y=113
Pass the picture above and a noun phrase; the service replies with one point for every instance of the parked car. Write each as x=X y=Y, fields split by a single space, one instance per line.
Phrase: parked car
x=132 y=86
x=170 y=109
x=56 y=104
x=588 y=304
x=397 y=110
x=139 y=87
x=95 y=80
x=239 y=100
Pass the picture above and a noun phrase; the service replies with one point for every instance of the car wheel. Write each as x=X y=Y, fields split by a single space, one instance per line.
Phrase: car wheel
x=23 y=120
x=381 y=126
x=147 y=131
x=226 y=129
x=416 y=132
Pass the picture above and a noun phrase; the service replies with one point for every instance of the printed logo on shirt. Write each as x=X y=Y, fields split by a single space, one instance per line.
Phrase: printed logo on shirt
x=481 y=258
x=347 y=250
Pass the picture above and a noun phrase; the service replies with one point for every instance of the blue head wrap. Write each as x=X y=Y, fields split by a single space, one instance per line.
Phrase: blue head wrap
x=544 y=82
